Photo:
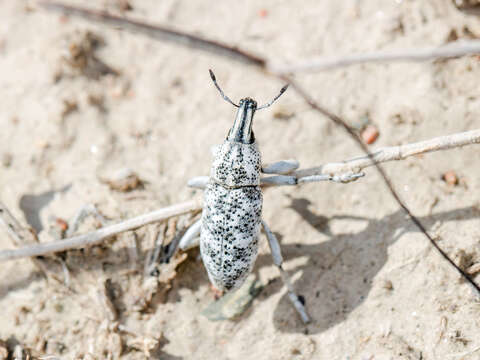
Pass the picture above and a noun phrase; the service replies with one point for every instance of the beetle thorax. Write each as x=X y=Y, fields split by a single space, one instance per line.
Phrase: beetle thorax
x=236 y=164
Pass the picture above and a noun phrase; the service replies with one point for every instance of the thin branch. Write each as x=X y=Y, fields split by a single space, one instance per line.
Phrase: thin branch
x=454 y=49
x=392 y=153
x=157 y=32
x=97 y=236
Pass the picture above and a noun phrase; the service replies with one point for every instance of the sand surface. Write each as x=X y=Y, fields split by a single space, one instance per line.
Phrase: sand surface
x=81 y=101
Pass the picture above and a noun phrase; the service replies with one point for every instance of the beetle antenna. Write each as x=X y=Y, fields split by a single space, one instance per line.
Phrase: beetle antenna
x=282 y=90
x=214 y=79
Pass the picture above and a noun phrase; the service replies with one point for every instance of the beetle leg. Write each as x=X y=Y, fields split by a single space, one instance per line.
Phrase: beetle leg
x=278 y=260
x=191 y=237
x=198 y=182
x=281 y=167
x=344 y=178
x=280 y=180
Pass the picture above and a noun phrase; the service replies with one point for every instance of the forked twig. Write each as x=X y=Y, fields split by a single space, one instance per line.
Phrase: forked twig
x=97 y=236
x=393 y=153
x=235 y=53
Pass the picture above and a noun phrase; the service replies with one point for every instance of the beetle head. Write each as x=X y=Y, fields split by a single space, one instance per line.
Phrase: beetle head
x=241 y=130
x=242 y=127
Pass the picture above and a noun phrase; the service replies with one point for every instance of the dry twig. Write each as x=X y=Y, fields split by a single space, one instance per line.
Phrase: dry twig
x=451 y=50
x=392 y=153
x=97 y=236
x=157 y=32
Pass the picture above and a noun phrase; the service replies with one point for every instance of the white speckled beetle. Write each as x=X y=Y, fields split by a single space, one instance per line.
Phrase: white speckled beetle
x=232 y=211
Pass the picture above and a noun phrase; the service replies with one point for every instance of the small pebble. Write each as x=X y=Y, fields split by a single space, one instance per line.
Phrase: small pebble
x=387 y=284
x=62 y=224
x=69 y=106
x=124 y=5
x=295 y=351
x=122 y=180
x=282 y=113
x=57 y=228
x=63 y=19
x=370 y=134
x=58 y=307
x=97 y=100
x=450 y=178
x=262 y=13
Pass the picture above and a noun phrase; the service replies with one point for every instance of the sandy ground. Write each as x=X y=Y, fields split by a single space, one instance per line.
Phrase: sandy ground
x=372 y=283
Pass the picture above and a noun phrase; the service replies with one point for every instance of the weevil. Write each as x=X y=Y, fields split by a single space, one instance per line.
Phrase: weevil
x=232 y=213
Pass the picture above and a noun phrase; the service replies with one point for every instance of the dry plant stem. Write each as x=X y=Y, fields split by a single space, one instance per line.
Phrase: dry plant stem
x=454 y=49
x=394 y=153
x=157 y=32
x=240 y=55
x=96 y=237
